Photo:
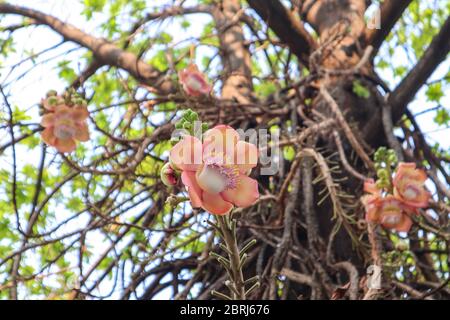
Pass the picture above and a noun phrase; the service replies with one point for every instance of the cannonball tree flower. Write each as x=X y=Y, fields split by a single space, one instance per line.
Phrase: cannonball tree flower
x=391 y=213
x=216 y=171
x=193 y=81
x=409 y=185
x=65 y=126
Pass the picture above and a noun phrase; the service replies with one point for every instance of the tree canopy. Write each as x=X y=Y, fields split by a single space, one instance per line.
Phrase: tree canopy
x=349 y=92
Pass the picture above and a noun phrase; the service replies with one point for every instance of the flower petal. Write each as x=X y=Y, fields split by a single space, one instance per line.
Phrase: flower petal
x=80 y=113
x=48 y=137
x=405 y=224
x=215 y=204
x=187 y=154
x=371 y=187
x=245 y=194
x=371 y=205
x=82 y=132
x=48 y=120
x=246 y=156
x=195 y=192
x=220 y=140
x=65 y=145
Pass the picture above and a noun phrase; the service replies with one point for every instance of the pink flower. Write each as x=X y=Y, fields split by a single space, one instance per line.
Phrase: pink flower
x=65 y=126
x=215 y=172
x=390 y=212
x=409 y=185
x=193 y=81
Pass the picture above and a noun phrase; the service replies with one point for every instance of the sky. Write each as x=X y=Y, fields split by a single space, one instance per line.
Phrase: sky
x=28 y=90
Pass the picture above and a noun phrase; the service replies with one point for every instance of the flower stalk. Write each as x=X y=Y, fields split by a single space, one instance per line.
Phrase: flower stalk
x=226 y=226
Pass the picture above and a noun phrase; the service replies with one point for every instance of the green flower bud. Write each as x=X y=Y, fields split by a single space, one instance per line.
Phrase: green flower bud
x=187 y=126
x=77 y=101
x=51 y=93
x=392 y=158
x=205 y=126
x=187 y=114
x=193 y=116
x=380 y=184
x=175 y=140
x=401 y=246
x=52 y=101
x=382 y=173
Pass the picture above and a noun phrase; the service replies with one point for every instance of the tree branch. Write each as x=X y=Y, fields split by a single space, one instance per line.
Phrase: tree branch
x=436 y=53
x=289 y=29
x=390 y=12
x=103 y=50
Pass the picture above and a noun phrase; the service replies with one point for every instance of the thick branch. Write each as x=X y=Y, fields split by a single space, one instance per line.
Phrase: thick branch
x=236 y=60
x=390 y=12
x=103 y=50
x=433 y=56
x=287 y=27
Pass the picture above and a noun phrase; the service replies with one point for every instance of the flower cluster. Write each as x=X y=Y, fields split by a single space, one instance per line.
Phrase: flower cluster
x=64 y=121
x=394 y=207
x=215 y=171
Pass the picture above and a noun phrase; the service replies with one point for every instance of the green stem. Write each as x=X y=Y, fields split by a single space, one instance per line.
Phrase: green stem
x=237 y=277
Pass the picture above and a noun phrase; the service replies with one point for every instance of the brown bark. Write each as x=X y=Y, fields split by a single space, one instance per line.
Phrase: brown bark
x=287 y=27
x=237 y=74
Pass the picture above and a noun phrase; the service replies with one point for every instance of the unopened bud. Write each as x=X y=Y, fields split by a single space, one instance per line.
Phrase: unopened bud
x=51 y=93
x=168 y=175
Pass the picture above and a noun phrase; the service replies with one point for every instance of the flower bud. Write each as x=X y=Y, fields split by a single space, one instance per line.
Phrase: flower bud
x=51 y=93
x=382 y=174
x=168 y=175
x=52 y=101
x=392 y=158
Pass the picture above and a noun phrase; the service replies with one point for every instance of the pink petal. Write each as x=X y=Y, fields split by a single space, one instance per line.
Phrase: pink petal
x=187 y=154
x=246 y=156
x=66 y=145
x=82 y=132
x=220 y=140
x=48 y=120
x=194 y=190
x=371 y=187
x=371 y=205
x=408 y=171
x=48 y=137
x=245 y=194
x=405 y=224
x=215 y=204
x=80 y=113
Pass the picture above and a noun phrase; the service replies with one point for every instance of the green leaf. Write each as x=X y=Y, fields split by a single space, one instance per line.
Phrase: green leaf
x=289 y=153
x=442 y=117
x=434 y=92
x=360 y=90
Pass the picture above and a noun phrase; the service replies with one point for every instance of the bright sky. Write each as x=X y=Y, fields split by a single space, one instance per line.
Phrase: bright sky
x=27 y=91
